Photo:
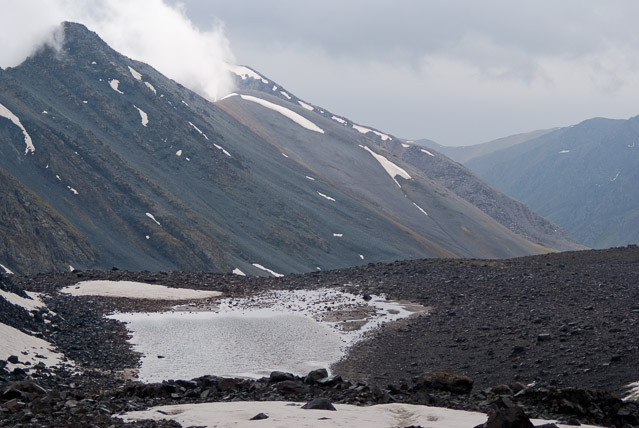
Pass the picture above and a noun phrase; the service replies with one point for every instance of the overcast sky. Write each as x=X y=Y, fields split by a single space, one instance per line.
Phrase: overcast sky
x=459 y=72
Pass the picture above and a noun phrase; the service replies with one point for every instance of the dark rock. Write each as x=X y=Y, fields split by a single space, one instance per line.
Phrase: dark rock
x=13 y=359
x=502 y=390
x=505 y=414
x=445 y=381
x=330 y=381
x=319 y=404
x=259 y=417
x=544 y=337
x=292 y=387
x=315 y=375
x=277 y=376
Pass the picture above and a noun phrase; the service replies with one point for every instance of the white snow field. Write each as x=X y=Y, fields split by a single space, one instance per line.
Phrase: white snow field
x=282 y=414
x=27 y=304
x=390 y=168
x=6 y=113
x=115 y=85
x=26 y=347
x=136 y=290
x=295 y=117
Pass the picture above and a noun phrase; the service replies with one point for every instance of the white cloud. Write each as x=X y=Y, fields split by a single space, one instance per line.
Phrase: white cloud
x=147 y=30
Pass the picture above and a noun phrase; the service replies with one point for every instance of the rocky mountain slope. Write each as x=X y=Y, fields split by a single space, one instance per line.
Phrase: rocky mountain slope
x=124 y=167
x=581 y=177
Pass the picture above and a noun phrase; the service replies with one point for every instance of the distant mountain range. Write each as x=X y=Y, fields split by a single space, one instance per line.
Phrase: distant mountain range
x=583 y=177
x=106 y=162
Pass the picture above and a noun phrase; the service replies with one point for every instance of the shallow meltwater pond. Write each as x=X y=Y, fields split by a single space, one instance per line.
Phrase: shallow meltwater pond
x=291 y=331
x=185 y=345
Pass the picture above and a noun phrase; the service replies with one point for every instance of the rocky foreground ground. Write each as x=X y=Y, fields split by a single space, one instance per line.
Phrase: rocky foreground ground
x=555 y=334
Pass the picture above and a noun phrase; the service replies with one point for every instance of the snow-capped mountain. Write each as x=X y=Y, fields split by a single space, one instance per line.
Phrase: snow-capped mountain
x=106 y=162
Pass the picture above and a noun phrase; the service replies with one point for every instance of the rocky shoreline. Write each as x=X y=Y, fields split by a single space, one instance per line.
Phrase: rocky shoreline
x=548 y=333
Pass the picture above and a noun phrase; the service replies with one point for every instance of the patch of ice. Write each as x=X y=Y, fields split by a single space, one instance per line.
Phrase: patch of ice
x=420 y=208
x=6 y=270
x=6 y=113
x=151 y=87
x=297 y=118
x=427 y=152
x=75 y=192
x=135 y=74
x=364 y=130
x=178 y=153
x=275 y=274
x=390 y=168
x=245 y=73
x=29 y=348
x=287 y=414
x=238 y=271
x=286 y=95
x=339 y=119
x=325 y=196
x=198 y=130
x=285 y=155
x=143 y=116
x=149 y=215
x=564 y=151
x=338 y=235
x=115 y=85
x=306 y=106
x=310 y=178
x=223 y=150
x=136 y=290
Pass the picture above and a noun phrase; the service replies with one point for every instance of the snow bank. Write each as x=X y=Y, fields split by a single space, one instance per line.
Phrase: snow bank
x=136 y=290
x=199 y=130
x=306 y=106
x=115 y=85
x=6 y=269
x=390 y=168
x=326 y=197
x=295 y=117
x=26 y=347
x=28 y=304
x=364 y=130
x=152 y=217
x=143 y=116
x=420 y=208
x=245 y=72
x=285 y=414
x=151 y=87
x=275 y=274
x=6 y=113
x=135 y=74
x=238 y=271
x=427 y=152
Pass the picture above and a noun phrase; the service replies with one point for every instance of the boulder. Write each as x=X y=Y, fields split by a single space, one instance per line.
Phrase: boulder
x=505 y=414
x=292 y=387
x=276 y=377
x=319 y=404
x=444 y=381
x=315 y=375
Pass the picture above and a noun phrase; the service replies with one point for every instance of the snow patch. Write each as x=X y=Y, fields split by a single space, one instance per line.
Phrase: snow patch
x=306 y=106
x=286 y=95
x=310 y=178
x=223 y=150
x=178 y=153
x=28 y=348
x=297 y=118
x=198 y=130
x=275 y=274
x=232 y=94
x=274 y=88
x=245 y=73
x=75 y=192
x=633 y=394
x=325 y=196
x=115 y=85
x=339 y=119
x=285 y=155
x=361 y=256
x=151 y=87
x=238 y=271
x=338 y=235
x=615 y=177
x=27 y=304
x=135 y=74
x=136 y=290
x=149 y=215
x=185 y=103
x=6 y=113
x=6 y=270
x=287 y=414
x=147 y=237
x=390 y=168
x=564 y=151
x=427 y=152
x=420 y=208
x=143 y=116
x=404 y=145
x=365 y=130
